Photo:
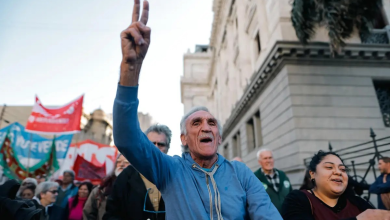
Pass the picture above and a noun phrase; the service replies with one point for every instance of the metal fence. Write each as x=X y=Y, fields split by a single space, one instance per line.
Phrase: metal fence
x=362 y=157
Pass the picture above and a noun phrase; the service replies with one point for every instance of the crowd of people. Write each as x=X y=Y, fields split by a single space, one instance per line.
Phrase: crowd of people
x=146 y=183
x=127 y=194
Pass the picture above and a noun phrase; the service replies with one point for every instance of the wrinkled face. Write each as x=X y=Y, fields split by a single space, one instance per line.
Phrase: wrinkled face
x=83 y=191
x=202 y=135
x=121 y=164
x=159 y=140
x=330 y=176
x=27 y=194
x=50 y=196
x=266 y=160
x=383 y=167
x=67 y=178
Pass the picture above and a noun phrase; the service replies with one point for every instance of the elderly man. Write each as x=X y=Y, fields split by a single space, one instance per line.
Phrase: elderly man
x=128 y=199
x=201 y=184
x=275 y=181
x=381 y=186
x=67 y=189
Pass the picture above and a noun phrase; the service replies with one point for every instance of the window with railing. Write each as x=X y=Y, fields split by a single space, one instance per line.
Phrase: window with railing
x=251 y=136
x=380 y=33
x=382 y=89
x=237 y=145
x=226 y=151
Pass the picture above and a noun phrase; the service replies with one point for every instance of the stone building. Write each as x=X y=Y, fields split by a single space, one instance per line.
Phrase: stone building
x=270 y=91
x=98 y=128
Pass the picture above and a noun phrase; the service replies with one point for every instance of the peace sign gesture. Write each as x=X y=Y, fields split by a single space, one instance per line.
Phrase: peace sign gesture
x=135 y=42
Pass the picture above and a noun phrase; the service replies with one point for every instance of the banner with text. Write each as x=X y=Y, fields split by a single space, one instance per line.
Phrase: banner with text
x=12 y=168
x=36 y=147
x=65 y=119
x=93 y=152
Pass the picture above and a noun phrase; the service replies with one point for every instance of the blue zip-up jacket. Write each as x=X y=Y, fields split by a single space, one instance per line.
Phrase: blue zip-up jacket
x=70 y=192
x=185 y=187
x=378 y=187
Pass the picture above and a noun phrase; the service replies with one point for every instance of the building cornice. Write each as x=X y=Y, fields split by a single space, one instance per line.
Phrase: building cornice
x=284 y=52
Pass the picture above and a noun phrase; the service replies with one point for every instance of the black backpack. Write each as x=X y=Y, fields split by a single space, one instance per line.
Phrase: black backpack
x=16 y=209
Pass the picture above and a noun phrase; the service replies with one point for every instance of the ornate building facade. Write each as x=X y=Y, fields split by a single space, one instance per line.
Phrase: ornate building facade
x=270 y=91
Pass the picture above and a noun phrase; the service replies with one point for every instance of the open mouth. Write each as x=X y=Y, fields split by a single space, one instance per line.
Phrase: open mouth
x=206 y=140
x=337 y=180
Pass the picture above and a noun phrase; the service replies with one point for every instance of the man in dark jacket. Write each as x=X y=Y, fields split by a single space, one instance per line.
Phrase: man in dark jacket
x=275 y=181
x=381 y=186
x=67 y=190
x=133 y=196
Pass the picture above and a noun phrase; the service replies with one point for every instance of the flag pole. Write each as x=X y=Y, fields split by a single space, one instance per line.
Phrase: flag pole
x=50 y=169
x=75 y=153
x=29 y=155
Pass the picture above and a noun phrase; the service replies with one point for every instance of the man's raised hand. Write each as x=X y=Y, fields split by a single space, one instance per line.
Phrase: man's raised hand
x=135 y=41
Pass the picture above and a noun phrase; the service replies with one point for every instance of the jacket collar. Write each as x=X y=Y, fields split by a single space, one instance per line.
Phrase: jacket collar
x=188 y=159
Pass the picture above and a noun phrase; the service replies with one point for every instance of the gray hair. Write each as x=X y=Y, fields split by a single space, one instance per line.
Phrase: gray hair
x=161 y=129
x=30 y=180
x=183 y=129
x=44 y=187
x=261 y=151
x=71 y=172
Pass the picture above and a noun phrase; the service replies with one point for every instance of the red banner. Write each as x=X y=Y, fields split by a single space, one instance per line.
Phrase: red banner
x=85 y=170
x=65 y=119
x=95 y=153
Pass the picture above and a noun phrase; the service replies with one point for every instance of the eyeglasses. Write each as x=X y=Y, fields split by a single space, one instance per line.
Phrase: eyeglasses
x=160 y=144
x=53 y=191
x=146 y=195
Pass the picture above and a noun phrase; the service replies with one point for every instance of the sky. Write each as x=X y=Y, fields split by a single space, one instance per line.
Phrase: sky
x=59 y=50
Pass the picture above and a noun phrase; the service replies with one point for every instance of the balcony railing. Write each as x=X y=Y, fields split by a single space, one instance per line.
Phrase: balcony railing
x=362 y=157
x=377 y=36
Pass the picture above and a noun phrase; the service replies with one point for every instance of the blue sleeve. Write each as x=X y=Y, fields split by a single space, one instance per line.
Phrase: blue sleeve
x=259 y=204
x=378 y=187
x=133 y=143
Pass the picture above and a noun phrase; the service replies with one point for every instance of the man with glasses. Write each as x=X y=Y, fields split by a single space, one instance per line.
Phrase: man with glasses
x=46 y=194
x=133 y=196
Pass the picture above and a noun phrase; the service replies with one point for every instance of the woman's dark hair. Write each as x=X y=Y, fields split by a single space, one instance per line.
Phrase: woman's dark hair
x=307 y=183
x=31 y=187
x=76 y=197
x=318 y=157
x=107 y=184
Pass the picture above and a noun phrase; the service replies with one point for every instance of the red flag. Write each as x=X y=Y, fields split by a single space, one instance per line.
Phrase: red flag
x=65 y=119
x=85 y=170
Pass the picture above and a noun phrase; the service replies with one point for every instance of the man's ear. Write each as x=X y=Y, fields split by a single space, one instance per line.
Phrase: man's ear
x=219 y=140
x=183 y=139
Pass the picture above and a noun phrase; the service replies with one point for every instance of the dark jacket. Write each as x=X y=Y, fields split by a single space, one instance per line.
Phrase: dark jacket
x=285 y=187
x=126 y=201
x=54 y=212
x=297 y=206
x=12 y=208
x=378 y=187
x=62 y=200
x=356 y=188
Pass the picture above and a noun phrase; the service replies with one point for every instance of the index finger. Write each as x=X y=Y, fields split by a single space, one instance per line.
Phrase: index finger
x=145 y=13
x=136 y=10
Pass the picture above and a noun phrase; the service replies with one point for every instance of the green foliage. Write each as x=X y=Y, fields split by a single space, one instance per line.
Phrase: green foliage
x=338 y=16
